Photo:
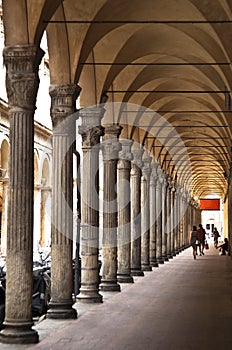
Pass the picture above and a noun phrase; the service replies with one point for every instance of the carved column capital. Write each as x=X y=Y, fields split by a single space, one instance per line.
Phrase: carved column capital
x=22 y=79
x=137 y=163
x=137 y=156
x=160 y=176
x=111 y=131
x=91 y=129
x=154 y=173
x=63 y=101
x=110 y=145
x=146 y=170
x=169 y=181
x=125 y=153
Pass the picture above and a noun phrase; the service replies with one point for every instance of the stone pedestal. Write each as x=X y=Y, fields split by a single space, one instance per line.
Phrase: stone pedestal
x=91 y=131
x=145 y=215
x=124 y=229
x=63 y=99
x=135 y=212
x=153 y=223
x=22 y=84
x=110 y=149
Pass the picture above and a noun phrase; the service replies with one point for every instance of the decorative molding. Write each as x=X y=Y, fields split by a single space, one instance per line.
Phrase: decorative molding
x=63 y=102
x=22 y=79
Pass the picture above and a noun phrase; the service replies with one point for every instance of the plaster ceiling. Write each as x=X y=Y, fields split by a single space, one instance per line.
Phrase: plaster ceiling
x=172 y=57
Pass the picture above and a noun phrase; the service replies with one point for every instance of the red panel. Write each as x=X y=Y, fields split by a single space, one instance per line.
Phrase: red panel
x=210 y=204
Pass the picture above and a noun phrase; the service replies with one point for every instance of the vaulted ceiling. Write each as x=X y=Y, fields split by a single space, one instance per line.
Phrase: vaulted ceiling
x=165 y=66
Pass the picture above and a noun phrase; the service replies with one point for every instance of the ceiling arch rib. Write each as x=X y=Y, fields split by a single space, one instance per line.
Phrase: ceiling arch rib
x=157 y=56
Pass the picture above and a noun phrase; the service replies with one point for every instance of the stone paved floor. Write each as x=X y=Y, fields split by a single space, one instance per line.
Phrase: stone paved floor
x=184 y=304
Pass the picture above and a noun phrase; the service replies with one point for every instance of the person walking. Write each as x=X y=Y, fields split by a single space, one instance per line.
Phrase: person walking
x=194 y=240
x=215 y=237
x=201 y=237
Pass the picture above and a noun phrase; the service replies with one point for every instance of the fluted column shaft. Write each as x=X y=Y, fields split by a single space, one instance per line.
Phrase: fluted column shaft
x=22 y=84
x=182 y=219
x=4 y=215
x=187 y=218
x=145 y=215
x=63 y=101
x=153 y=213
x=45 y=193
x=178 y=220
x=164 y=218
x=169 y=218
x=124 y=211
x=136 y=212
x=159 y=217
x=91 y=131
x=173 y=205
x=110 y=149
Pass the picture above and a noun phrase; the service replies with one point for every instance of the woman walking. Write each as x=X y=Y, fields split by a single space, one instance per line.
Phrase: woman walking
x=215 y=237
x=194 y=240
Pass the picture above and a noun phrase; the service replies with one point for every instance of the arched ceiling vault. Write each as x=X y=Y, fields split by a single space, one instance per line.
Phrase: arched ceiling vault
x=172 y=57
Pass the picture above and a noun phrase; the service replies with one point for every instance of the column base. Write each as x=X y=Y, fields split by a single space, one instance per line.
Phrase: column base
x=61 y=310
x=154 y=264
x=18 y=334
x=170 y=256
x=146 y=268
x=125 y=279
x=89 y=297
x=165 y=258
x=160 y=261
x=137 y=272
x=109 y=286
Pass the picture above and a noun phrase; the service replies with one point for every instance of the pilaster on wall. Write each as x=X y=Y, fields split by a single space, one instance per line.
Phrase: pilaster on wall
x=22 y=84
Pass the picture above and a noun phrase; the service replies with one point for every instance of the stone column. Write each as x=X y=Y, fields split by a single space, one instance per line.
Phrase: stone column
x=22 y=85
x=153 y=213
x=178 y=218
x=159 y=216
x=169 y=218
x=173 y=213
x=45 y=193
x=63 y=102
x=110 y=149
x=182 y=219
x=164 y=218
x=4 y=214
x=187 y=221
x=124 y=229
x=145 y=214
x=136 y=212
x=91 y=131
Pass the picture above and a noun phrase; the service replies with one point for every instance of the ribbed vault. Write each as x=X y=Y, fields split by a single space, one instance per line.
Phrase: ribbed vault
x=170 y=60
